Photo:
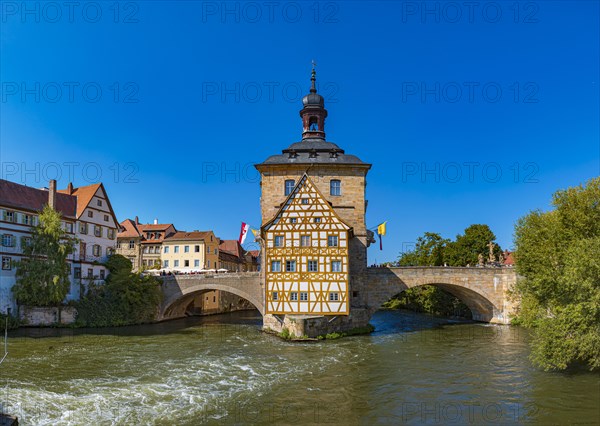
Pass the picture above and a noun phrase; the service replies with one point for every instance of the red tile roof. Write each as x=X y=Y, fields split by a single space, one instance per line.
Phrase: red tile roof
x=254 y=253
x=154 y=227
x=509 y=258
x=84 y=195
x=232 y=247
x=129 y=230
x=189 y=236
x=32 y=199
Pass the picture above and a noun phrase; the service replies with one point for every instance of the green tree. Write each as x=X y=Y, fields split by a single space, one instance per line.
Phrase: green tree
x=125 y=297
x=429 y=251
x=467 y=247
x=558 y=254
x=43 y=274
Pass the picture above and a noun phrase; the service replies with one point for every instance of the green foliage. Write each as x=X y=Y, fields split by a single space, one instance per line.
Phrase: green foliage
x=558 y=253
x=353 y=332
x=466 y=248
x=43 y=274
x=429 y=251
x=285 y=334
x=431 y=300
x=125 y=298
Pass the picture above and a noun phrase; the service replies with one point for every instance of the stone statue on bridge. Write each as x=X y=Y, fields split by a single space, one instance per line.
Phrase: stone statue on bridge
x=480 y=259
x=492 y=258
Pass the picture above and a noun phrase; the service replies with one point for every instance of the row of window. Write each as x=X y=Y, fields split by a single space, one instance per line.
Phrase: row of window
x=186 y=263
x=335 y=187
x=22 y=218
x=303 y=296
x=91 y=214
x=279 y=241
x=98 y=230
x=312 y=266
x=97 y=250
x=305 y=220
x=7 y=265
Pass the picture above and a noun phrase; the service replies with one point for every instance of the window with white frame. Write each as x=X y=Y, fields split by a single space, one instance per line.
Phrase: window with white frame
x=176 y=249
x=304 y=240
x=335 y=187
x=305 y=201
x=186 y=249
x=289 y=186
x=275 y=295
x=293 y=296
x=275 y=266
x=196 y=263
x=303 y=296
x=332 y=241
x=176 y=263
x=317 y=220
x=8 y=240
x=9 y=216
x=278 y=241
x=165 y=263
x=313 y=266
x=96 y=250
x=97 y=230
x=293 y=220
x=336 y=266
x=334 y=297
x=166 y=249
x=290 y=266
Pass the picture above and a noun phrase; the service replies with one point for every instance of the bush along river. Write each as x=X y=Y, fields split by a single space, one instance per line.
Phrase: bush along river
x=414 y=369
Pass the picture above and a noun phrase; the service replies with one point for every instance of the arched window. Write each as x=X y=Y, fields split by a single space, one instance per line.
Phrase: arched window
x=289 y=186
x=313 y=124
x=335 y=187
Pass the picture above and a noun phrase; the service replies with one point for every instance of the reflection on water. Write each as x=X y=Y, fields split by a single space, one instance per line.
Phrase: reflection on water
x=414 y=369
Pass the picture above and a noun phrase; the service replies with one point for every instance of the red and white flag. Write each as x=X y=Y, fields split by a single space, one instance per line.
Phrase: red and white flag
x=243 y=232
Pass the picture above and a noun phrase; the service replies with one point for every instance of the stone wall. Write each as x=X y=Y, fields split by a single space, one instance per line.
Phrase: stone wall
x=37 y=316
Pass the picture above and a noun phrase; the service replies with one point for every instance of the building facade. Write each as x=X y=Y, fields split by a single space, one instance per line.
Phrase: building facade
x=20 y=206
x=96 y=229
x=186 y=251
x=314 y=232
x=142 y=243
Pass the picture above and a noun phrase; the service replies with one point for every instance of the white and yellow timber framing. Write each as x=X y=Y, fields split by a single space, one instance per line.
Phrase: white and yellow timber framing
x=304 y=224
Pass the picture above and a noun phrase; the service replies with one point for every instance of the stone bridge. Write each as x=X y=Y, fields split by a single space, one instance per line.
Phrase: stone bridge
x=483 y=290
x=179 y=290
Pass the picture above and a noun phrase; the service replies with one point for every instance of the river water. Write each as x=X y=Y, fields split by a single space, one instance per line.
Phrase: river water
x=415 y=369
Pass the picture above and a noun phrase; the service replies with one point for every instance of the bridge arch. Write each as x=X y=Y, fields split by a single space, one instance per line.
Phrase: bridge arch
x=178 y=289
x=482 y=309
x=481 y=289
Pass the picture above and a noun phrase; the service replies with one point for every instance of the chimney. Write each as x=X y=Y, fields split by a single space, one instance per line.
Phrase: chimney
x=70 y=188
x=137 y=221
x=52 y=193
x=156 y=221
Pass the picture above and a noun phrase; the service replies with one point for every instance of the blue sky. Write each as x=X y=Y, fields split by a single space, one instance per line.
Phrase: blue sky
x=468 y=116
